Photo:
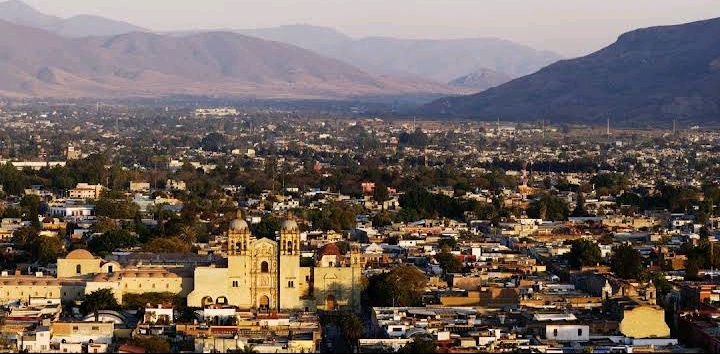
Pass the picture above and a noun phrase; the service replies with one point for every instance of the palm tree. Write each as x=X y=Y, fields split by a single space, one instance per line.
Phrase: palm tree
x=248 y=349
x=352 y=328
x=188 y=234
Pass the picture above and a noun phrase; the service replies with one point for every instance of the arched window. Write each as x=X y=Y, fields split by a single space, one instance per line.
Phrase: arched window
x=289 y=246
x=264 y=267
x=78 y=269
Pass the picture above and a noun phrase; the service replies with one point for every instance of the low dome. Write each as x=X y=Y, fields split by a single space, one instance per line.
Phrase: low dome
x=329 y=250
x=238 y=225
x=79 y=254
x=288 y=225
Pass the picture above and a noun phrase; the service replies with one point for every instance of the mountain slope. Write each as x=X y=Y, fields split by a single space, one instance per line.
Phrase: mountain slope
x=481 y=80
x=648 y=75
x=40 y=63
x=441 y=60
x=19 y=13
x=88 y=25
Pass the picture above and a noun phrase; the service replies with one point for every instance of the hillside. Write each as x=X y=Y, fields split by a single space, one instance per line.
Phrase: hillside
x=40 y=63
x=19 y=13
x=481 y=80
x=441 y=60
x=648 y=75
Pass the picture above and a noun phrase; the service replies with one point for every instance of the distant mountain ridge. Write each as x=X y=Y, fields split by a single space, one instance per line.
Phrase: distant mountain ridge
x=412 y=60
x=19 y=13
x=648 y=75
x=481 y=80
x=36 y=62
x=441 y=60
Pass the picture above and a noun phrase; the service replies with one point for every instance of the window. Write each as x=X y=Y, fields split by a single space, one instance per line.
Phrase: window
x=153 y=285
x=95 y=328
x=78 y=269
x=264 y=267
x=555 y=332
x=291 y=284
x=75 y=328
x=579 y=331
x=235 y=284
x=307 y=278
x=110 y=269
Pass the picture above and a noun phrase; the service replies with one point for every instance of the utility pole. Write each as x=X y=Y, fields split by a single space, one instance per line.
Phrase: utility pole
x=674 y=127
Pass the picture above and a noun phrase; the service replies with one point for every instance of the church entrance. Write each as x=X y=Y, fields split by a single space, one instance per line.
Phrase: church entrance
x=264 y=304
x=330 y=303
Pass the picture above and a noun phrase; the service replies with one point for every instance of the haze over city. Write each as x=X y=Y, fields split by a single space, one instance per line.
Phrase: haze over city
x=359 y=176
x=569 y=27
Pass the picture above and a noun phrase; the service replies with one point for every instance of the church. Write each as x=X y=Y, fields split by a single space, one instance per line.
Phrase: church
x=268 y=276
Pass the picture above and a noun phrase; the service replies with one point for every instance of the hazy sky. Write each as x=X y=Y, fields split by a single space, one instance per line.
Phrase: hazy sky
x=570 y=27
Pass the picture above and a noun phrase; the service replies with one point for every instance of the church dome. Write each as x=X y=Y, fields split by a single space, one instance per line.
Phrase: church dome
x=329 y=250
x=79 y=254
x=238 y=225
x=288 y=225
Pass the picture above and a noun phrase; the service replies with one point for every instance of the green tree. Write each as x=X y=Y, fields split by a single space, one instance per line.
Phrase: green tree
x=352 y=328
x=248 y=349
x=151 y=344
x=626 y=262
x=30 y=206
x=419 y=345
x=403 y=285
x=102 y=299
x=267 y=227
x=115 y=205
x=448 y=262
x=111 y=241
x=380 y=193
x=584 y=253
x=46 y=249
x=381 y=219
x=692 y=269
x=166 y=245
x=448 y=243
x=579 y=210
x=548 y=207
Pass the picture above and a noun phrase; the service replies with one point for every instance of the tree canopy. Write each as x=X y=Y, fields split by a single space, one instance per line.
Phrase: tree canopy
x=626 y=262
x=102 y=299
x=584 y=253
x=404 y=285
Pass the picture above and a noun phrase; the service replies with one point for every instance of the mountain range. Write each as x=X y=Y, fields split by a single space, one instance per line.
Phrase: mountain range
x=19 y=13
x=35 y=62
x=441 y=60
x=481 y=80
x=648 y=75
x=437 y=60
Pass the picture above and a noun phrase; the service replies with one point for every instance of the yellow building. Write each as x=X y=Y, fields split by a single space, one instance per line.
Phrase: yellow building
x=266 y=275
x=81 y=273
